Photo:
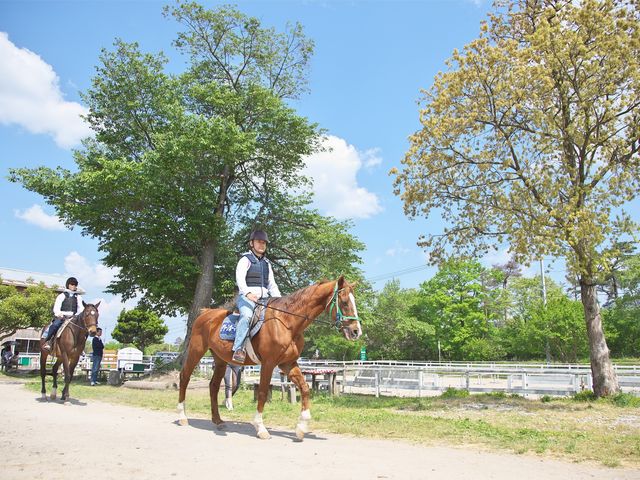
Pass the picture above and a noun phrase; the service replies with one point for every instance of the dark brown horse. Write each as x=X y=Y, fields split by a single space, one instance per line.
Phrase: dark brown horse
x=68 y=347
x=278 y=343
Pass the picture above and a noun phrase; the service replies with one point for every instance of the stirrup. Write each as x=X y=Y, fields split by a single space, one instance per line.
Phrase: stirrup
x=239 y=356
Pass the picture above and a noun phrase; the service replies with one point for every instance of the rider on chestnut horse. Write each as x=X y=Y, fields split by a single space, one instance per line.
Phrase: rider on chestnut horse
x=255 y=280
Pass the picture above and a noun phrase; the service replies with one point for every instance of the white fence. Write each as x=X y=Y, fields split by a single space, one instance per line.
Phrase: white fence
x=423 y=379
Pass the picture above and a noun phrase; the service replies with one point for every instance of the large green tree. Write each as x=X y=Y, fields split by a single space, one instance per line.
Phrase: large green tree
x=24 y=309
x=535 y=327
x=139 y=327
x=182 y=166
x=393 y=330
x=622 y=316
x=452 y=302
x=531 y=138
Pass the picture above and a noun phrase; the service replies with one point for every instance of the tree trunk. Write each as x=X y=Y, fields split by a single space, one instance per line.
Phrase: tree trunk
x=204 y=286
x=605 y=381
x=203 y=293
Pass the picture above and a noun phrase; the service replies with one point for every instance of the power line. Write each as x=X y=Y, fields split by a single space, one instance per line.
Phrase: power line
x=397 y=273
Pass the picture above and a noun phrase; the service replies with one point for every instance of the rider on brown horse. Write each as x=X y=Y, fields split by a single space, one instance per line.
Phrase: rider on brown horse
x=65 y=306
x=254 y=277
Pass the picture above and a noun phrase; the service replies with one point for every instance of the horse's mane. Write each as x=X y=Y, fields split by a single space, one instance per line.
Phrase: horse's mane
x=292 y=299
x=281 y=302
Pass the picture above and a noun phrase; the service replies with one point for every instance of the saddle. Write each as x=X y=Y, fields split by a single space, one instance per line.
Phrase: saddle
x=54 y=340
x=229 y=324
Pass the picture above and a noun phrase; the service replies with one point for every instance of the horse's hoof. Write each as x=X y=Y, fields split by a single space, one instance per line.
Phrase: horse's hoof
x=221 y=425
x=263 y=435
x=300 y=433
x=183 y=421
x=53 y=397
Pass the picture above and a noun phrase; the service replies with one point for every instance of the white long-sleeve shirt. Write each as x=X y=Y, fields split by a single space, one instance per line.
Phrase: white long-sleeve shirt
x=57 y=305
x=241 y=280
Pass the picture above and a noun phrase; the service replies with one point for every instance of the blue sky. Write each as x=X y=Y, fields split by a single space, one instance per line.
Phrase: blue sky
x=371 y=60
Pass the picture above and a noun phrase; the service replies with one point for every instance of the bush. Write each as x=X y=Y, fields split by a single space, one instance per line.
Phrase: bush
x=625 y=400
x=585 y=396
x=545 y=399
x=454 y=393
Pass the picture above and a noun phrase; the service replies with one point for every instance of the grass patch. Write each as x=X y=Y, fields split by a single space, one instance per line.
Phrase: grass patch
x=605 y=431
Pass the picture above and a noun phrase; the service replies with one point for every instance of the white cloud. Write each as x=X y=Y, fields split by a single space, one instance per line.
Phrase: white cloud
x=35 y=215
x=30 y=96
x=334 y=180
x=397 y=250
x=371 y=158
x=92 y=278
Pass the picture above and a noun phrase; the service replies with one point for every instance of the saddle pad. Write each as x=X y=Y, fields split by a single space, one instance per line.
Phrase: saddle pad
x=228 y=328
x=62 y=327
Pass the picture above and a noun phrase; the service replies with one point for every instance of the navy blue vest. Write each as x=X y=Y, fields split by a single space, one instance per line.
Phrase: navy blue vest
x=70 y=303
x=258 y=273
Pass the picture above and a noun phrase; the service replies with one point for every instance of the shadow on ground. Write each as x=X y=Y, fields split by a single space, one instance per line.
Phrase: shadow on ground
x=243 y=428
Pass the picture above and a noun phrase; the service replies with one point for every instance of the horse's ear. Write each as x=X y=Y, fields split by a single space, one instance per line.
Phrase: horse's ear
x=97 y=304
x=84 y=304
x=341 y=282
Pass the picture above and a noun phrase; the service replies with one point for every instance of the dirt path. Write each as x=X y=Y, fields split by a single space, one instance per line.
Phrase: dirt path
x=102 y=441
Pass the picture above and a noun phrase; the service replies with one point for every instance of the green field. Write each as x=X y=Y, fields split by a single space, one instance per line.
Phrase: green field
x=605 y=432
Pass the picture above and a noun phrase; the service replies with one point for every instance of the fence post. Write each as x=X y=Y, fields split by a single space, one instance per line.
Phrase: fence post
x=466 y=379
x=419 y=383
x=377 y=383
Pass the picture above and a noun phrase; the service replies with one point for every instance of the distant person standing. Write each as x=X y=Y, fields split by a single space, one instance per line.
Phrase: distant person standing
x=98 y=349
x=6 y=356
x=232 y=377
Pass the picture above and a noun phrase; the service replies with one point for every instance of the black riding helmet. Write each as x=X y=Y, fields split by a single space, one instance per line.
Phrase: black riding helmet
x=259 y=235
x=71 y=281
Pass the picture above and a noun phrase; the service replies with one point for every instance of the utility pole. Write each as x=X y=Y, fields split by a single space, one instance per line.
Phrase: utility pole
x=544 y=303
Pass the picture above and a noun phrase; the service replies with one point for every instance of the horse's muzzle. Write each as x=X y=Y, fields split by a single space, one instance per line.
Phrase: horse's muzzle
x=351 y=333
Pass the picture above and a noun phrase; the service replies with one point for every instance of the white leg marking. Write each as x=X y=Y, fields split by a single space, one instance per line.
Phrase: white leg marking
x=260 y=428
x=302 y=427
x=182 y=418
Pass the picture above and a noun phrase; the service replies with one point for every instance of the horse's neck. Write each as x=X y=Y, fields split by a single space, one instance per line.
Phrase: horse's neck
x=310 y=306
x=78 y=319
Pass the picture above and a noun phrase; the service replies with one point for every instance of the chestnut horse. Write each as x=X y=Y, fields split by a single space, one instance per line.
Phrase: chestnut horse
x=67 y=349
x=278 y=343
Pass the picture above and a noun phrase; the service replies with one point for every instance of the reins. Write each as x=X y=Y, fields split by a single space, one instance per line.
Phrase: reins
x=333 y=303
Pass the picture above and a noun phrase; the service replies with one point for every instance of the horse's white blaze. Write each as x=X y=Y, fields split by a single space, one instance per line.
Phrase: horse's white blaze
x=353 y=304
x=355 y=312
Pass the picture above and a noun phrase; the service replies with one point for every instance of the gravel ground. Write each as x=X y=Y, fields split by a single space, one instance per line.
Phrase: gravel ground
x=91 y=439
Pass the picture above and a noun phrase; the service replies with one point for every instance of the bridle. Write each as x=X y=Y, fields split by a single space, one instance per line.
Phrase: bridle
x=334 y=303
x=80 y=316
